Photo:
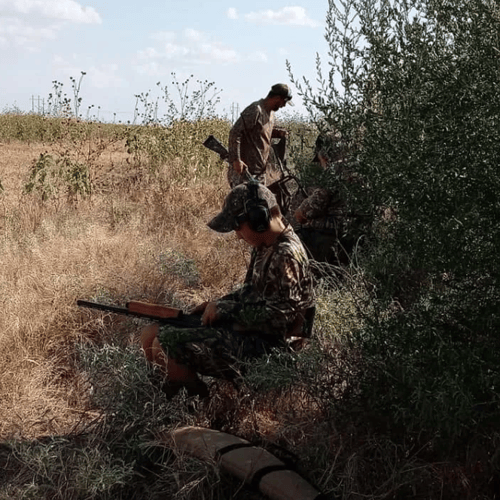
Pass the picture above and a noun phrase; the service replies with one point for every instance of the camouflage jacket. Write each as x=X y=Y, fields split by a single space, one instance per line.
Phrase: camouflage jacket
x=323 y=209
x=277 y=289
x=250 y=137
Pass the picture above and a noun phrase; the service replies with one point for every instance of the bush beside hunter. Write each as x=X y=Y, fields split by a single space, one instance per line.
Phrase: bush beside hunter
x=419 y=107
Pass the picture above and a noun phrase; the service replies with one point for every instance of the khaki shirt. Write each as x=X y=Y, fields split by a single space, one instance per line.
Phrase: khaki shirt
x=250 y=137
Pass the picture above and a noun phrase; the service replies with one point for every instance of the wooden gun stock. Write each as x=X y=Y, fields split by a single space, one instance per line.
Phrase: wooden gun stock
x=153 y=310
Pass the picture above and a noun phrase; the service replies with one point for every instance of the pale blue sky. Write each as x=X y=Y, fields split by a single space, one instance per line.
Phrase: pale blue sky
x=126 y=47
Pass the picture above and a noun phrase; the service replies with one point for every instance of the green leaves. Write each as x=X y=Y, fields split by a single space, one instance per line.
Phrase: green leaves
x=52 y=177
x=416 y=90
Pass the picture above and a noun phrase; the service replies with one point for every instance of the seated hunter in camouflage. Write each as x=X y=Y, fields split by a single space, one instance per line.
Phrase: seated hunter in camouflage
x=277 y=292
x=322 y=221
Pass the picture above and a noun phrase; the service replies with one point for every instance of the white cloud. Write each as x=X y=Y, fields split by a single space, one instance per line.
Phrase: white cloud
x=232 y=13
x=258 y=56
x=193 y=35
x=61 y=10
x=187 y=48
x=15 y=32
x=164 y=36
x=150 y=68
x=216 y=52
x=291 y=16
x=100 y=76
x=149 y=53
x=27 y=23
x=171 y=50
x=67 y=67
x=105 y=76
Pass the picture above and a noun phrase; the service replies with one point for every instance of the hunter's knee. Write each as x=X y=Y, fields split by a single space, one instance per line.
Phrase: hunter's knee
x=148 y=336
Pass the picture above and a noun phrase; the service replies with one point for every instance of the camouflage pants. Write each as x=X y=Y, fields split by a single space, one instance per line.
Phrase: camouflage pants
x=216 y=352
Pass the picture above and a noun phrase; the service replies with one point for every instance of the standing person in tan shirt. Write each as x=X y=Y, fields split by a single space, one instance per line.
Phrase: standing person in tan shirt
x=250 y=137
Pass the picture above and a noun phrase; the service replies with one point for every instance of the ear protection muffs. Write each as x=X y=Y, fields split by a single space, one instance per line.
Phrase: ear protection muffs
x=256 y=212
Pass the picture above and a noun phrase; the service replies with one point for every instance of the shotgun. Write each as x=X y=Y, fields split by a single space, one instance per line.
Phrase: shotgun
x=155 y=312
x=217 y=147
x=280 y=187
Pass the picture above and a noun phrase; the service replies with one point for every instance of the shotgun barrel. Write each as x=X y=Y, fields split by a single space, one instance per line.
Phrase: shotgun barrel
x=155 y=312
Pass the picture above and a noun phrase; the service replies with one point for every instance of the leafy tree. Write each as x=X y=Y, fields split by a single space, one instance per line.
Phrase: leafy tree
x=414 y=88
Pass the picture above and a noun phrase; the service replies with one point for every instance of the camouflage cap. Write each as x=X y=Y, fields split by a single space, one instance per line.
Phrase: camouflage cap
x=282 y=90
x=235 y=205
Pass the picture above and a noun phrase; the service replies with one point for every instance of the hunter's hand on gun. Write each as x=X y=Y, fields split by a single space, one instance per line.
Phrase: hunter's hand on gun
x=211 y=316
x=240 y=166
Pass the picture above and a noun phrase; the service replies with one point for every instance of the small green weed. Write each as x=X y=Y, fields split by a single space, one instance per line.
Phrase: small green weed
x=52 y=177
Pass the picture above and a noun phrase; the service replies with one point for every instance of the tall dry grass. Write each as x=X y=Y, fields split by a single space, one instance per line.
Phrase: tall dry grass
x=139 y=237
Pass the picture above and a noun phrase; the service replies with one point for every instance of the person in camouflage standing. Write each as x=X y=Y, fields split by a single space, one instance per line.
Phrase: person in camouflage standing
x=275 y=303
x=250 y=137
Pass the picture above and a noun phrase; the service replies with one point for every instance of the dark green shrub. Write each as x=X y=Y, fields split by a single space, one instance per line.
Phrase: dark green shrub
x=418 y=102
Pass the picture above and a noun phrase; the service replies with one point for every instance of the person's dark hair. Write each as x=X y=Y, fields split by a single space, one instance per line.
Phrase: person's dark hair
x=282 y=90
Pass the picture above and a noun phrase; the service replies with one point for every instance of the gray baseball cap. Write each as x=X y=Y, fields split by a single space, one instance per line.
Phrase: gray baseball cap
x=235 y=205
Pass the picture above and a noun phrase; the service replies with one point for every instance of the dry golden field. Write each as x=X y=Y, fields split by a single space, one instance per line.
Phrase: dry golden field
x=117 y=245
x=76 y=378
x=113 y=215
